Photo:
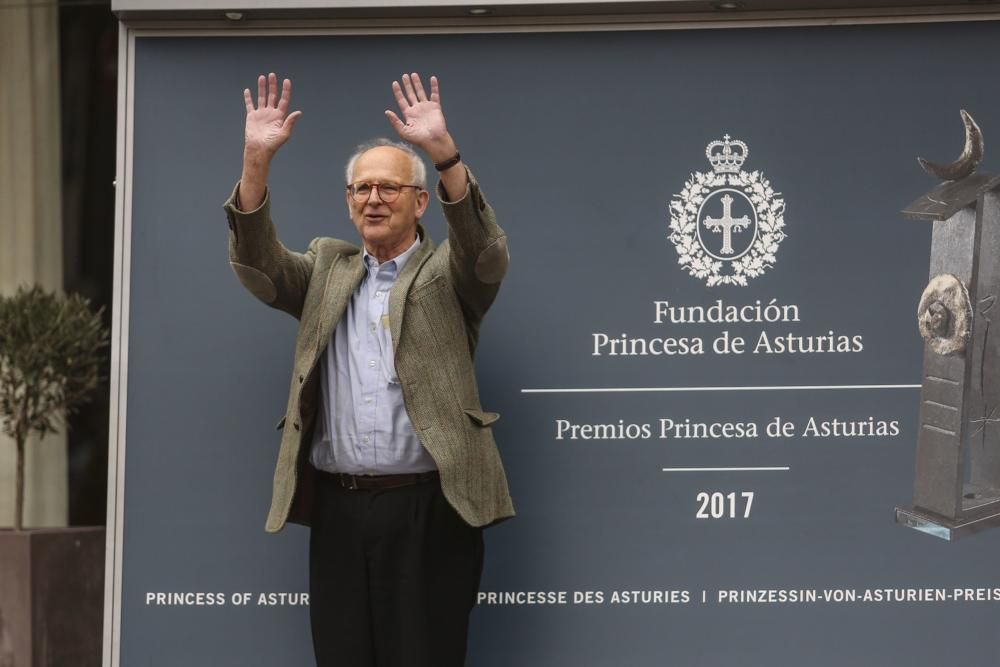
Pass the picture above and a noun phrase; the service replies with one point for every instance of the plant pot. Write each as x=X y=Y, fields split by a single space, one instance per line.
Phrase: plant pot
x=51 y=597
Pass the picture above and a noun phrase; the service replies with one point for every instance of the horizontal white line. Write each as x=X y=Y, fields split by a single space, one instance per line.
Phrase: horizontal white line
x=753 y=469
x=601 y=390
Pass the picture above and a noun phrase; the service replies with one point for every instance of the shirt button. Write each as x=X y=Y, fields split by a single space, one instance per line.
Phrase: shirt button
x=368 y=400
x=365 y=439
x=371 y=364
x=371 y=326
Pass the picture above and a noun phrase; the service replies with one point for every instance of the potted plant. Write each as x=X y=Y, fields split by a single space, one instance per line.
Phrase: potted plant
x=51 y=580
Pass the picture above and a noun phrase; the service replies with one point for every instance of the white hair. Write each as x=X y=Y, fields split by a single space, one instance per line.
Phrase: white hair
x=418 y=171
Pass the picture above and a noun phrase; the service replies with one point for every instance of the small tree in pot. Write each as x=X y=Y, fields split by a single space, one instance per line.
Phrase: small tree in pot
x=51 y=348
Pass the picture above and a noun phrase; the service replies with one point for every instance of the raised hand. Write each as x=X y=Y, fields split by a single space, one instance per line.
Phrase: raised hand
x=423 y=120
x=269 y=125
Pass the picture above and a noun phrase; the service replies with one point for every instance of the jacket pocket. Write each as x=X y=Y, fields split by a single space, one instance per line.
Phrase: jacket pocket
x=418 y=292
x=482 y=418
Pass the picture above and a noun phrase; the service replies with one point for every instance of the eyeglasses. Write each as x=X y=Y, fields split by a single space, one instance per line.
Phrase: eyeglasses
x=387 y=192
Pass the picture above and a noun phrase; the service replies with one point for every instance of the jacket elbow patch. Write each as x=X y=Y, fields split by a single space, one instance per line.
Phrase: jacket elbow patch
x=492 y=262
x=256 y=282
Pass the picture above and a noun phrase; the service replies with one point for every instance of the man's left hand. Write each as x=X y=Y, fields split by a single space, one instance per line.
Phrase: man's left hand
x=423 y=120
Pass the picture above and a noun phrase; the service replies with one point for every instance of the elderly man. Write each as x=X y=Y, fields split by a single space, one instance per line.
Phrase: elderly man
x=386 y=451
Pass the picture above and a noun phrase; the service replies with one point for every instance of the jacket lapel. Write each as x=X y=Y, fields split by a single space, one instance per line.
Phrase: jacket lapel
x=343 y=277
x=397 y=298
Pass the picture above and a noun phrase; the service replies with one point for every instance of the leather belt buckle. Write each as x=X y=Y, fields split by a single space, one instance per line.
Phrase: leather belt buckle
x=365 y=482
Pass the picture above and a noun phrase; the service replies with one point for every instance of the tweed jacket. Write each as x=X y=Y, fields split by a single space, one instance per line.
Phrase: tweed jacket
x=435 y=310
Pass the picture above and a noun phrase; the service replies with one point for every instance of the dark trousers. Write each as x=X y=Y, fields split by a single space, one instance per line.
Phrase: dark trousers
x=393 y=576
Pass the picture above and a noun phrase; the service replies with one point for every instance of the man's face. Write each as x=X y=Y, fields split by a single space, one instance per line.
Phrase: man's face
x=384 y=224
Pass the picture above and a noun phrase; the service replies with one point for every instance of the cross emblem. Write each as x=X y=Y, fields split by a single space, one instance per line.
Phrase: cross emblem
x=726 y=224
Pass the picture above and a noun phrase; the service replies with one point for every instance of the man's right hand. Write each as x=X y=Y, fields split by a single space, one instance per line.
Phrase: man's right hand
x=268 y=126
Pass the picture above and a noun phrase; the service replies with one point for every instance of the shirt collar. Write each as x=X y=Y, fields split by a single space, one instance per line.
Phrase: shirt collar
x=397 y=262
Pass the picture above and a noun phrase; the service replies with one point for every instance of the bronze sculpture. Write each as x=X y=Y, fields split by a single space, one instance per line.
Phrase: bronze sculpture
x=957 y=478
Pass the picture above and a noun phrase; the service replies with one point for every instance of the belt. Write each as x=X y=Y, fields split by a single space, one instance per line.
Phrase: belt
x=355 y=482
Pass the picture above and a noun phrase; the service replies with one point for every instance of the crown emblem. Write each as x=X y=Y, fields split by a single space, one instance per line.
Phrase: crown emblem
x=726 y=223
x=723 y=158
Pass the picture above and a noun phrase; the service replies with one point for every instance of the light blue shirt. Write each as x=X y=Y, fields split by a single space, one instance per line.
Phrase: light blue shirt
x=362 y=426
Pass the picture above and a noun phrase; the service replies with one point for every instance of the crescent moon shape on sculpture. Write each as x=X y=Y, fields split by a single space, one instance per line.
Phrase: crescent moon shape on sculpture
x=967 y=162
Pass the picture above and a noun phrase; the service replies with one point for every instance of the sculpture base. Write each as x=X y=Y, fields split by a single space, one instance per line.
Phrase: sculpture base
x=945 y=528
